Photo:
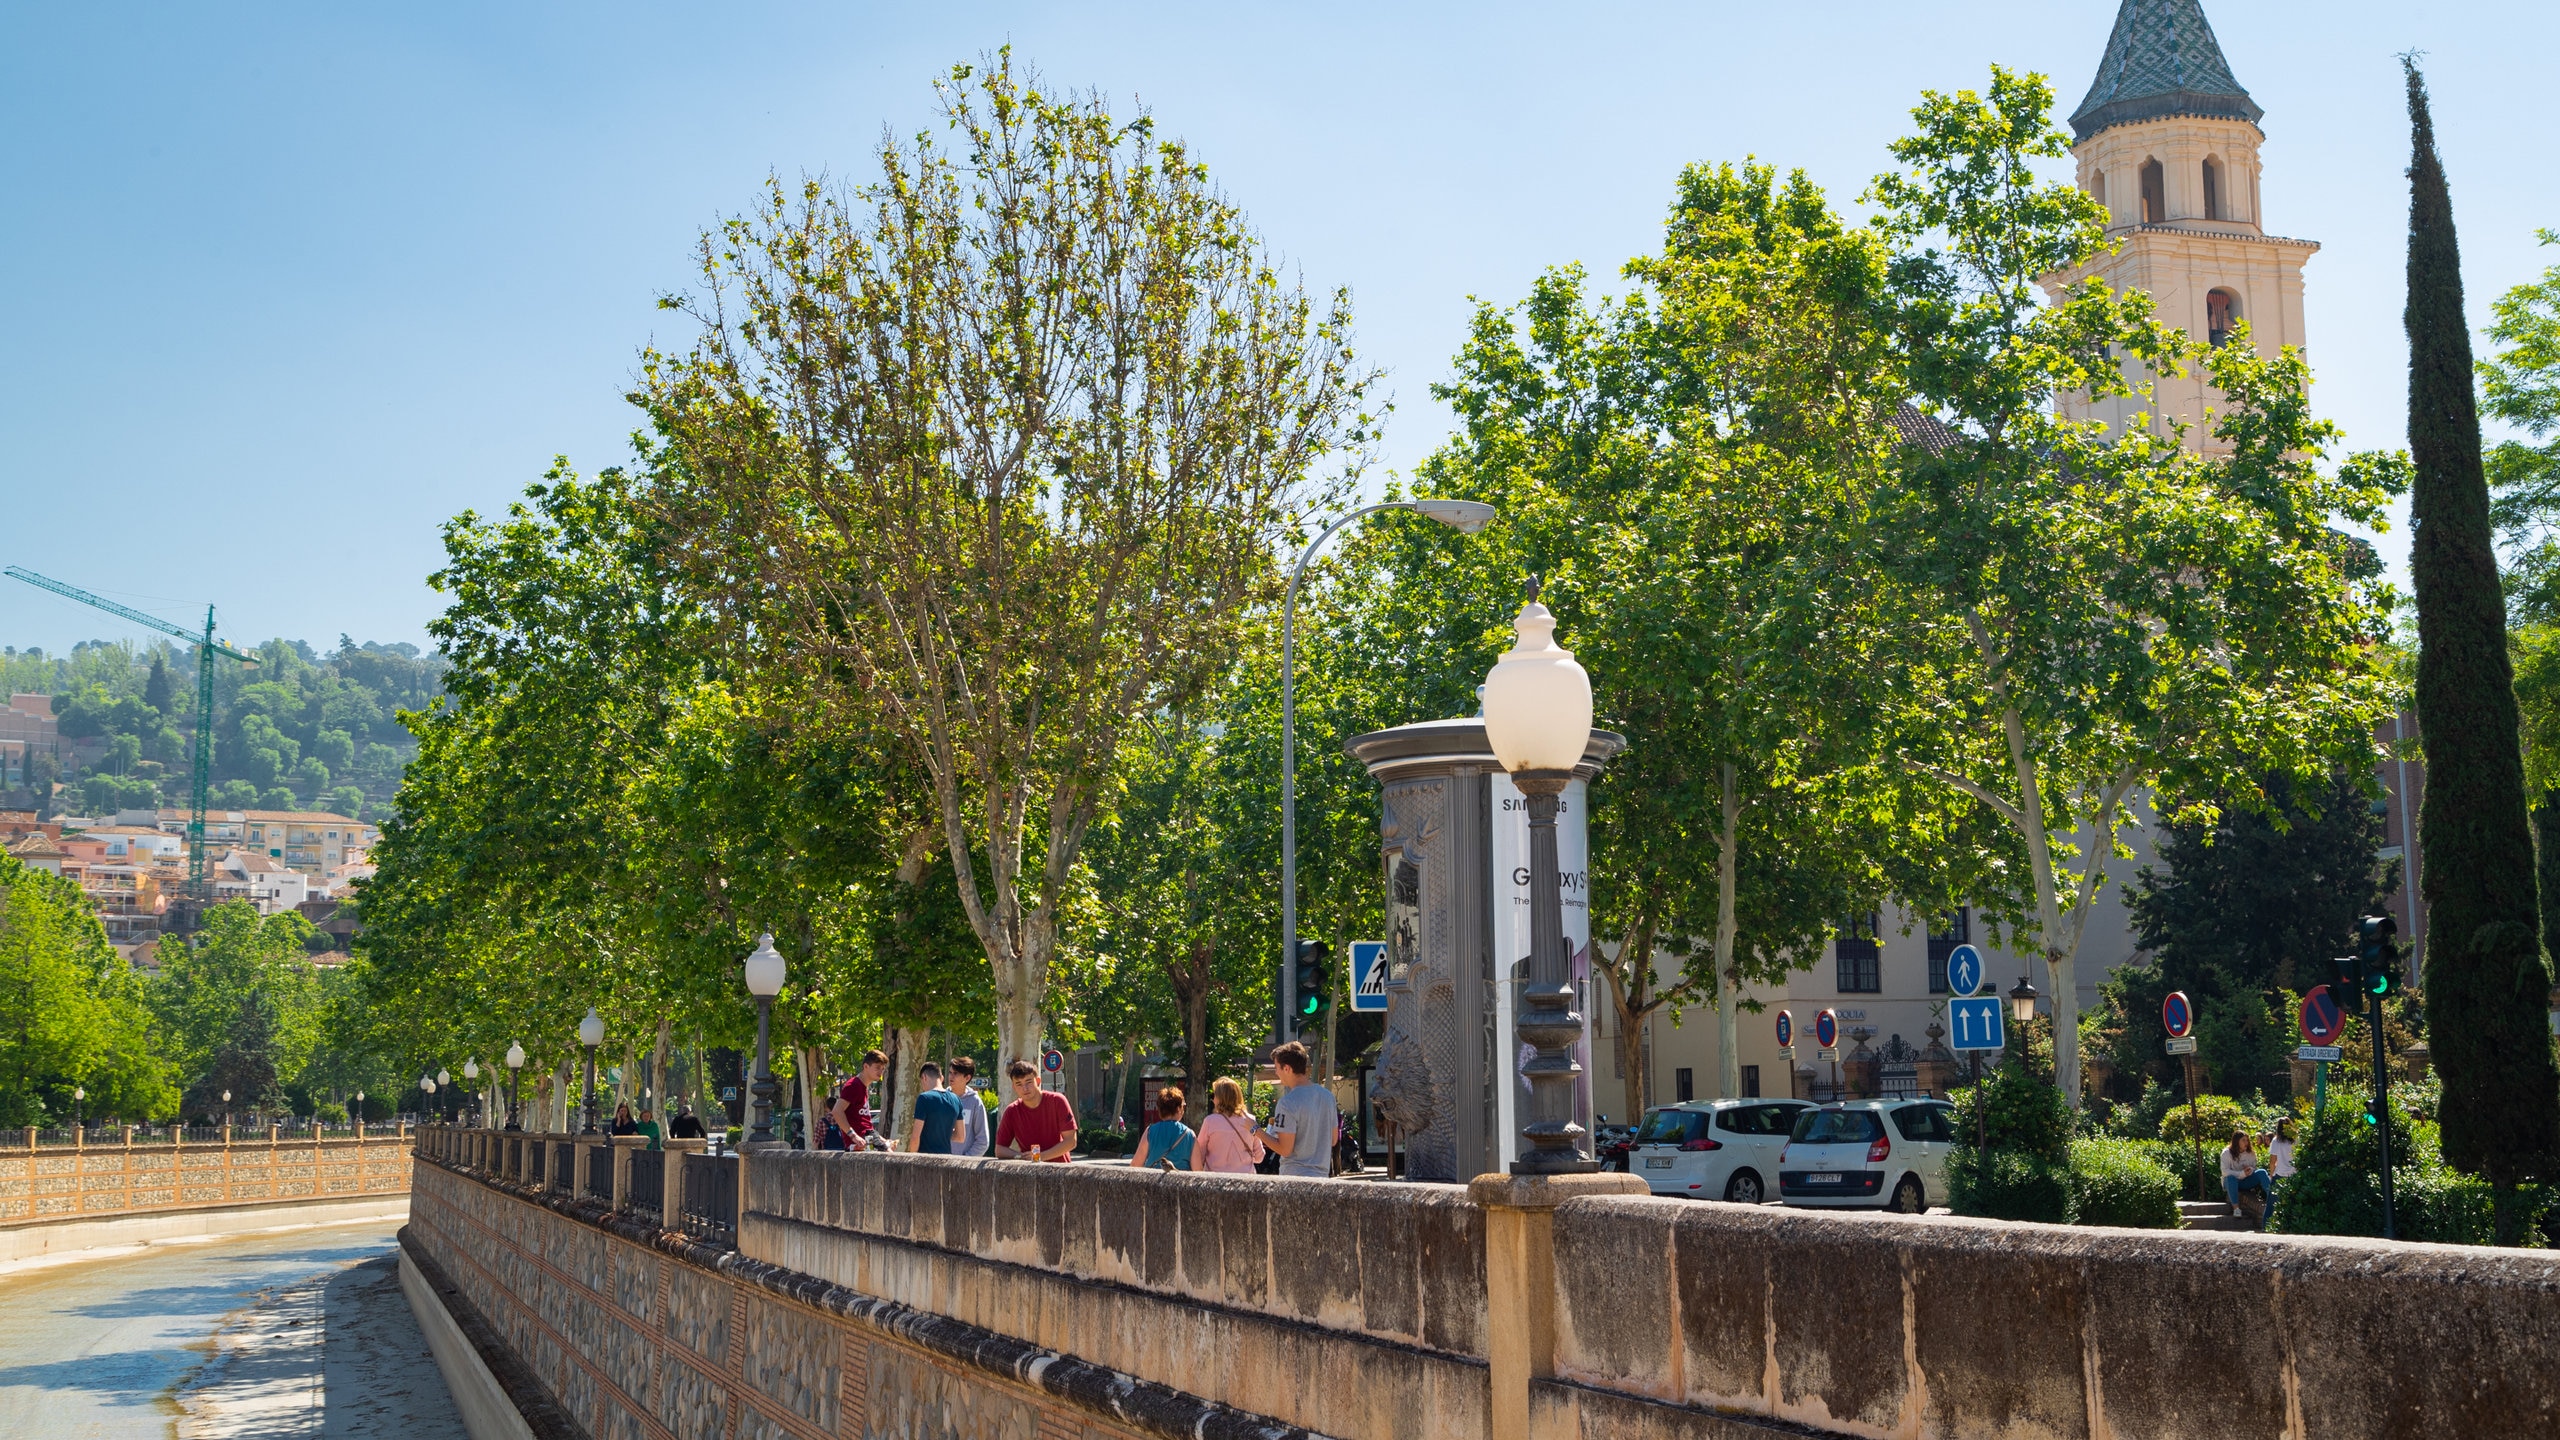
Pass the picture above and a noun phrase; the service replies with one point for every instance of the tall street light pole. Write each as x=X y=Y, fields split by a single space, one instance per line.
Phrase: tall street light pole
x=1464 y=516
x=765 y=974
x=1537 y=718
x=515 y=1080
x=591 y=1035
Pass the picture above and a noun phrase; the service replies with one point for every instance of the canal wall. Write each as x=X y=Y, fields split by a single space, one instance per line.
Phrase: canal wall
x=863 y=1295
x=57 y=1199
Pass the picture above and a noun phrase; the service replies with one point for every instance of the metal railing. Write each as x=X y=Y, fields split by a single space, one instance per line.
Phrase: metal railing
x=600 y=1173
x=564 y=1164
x=645 y=1190
x=711 y=1197
x=541 y=1153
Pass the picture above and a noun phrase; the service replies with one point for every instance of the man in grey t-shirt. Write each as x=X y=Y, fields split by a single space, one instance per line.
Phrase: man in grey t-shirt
x=1302 y=1123
x=973 y=1108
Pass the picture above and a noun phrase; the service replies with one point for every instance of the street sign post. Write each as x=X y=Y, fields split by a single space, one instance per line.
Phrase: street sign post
x=1369 y=975
x=1976 y=1024
x=2178 y=1017
x=1964 y=970
x=1826 y=1039
x=1052 y=1062
x=2324 y=1020
x=2177 y=1014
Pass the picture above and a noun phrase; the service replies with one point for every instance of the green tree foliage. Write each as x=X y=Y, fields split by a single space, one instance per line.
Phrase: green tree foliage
x=2242 y=910
x=2487 y=980
x=241 y=998
x=2122 y=1183
x=999 y=449
x=71 y=1012
x=2077 y=615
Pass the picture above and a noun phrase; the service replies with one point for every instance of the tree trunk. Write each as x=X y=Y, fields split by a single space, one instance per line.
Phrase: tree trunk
x=1128 y=1066
x=1630 y=1044
x=1728 y=970
x=907 y=1051
x=813 y=1104
x=2487 y=981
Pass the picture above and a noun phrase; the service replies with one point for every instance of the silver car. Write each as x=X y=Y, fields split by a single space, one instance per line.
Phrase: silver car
x=1714 y=1149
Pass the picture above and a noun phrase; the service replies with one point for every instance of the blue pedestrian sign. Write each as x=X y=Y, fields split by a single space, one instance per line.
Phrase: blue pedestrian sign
x=1964 y=970
x=1976 y=1024
x=1368 y=974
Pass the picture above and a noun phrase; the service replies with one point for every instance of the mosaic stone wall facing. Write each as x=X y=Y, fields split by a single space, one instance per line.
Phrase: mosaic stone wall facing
x=640 y=1335
x=91 y=1180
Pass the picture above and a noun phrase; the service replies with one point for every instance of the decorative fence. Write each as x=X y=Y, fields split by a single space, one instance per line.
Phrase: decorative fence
x=132 y=1170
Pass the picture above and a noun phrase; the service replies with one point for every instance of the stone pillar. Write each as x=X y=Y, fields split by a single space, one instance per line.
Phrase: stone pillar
x=671 y=1210
x=1520 y=1280
x=626 y=1153
x=2415 y=1059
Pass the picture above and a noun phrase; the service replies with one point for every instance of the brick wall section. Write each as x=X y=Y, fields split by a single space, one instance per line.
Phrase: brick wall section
x=638 y=1336
x=88 y=1181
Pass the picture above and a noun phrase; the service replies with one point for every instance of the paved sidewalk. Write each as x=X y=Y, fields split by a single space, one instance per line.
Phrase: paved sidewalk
x=299 y=1334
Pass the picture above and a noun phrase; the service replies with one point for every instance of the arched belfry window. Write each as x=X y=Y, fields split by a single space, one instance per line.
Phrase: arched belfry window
x=2098 y=186
x=2155 y=194
x=2221 y=312
x=2213 y=190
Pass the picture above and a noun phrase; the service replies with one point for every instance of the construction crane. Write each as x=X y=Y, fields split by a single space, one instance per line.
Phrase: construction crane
x=206 y=648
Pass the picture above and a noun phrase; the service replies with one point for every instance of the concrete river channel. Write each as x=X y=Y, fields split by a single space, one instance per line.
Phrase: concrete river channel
x=302 y=1332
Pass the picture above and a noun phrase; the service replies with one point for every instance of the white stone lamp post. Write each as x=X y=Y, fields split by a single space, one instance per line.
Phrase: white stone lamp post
x=471 y=1072
x=1537 y=718
x=765 y=974
x=515 y=1080
x=591 y=1035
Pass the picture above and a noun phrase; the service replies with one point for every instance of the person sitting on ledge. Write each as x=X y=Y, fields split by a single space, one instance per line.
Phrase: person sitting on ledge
x=2240 y=1172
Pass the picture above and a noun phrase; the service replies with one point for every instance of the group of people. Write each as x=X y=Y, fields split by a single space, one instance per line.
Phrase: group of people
x=683 y=1127
x=950 y=1118
x=2243 y=1171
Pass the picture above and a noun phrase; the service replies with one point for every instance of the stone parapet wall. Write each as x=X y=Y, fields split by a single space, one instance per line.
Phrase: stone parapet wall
x=39 y=1184
x=1889 y=1325
x=1568 y=1308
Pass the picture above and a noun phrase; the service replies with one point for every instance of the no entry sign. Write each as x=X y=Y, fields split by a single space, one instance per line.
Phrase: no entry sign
x=2177 y=1016
x=2323 y=1019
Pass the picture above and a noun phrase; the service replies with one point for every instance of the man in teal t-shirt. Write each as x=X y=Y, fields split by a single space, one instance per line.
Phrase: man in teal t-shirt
x=937 y=1115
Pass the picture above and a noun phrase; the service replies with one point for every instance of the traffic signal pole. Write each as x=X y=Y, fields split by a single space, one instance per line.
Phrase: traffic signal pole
x=2382 y=1115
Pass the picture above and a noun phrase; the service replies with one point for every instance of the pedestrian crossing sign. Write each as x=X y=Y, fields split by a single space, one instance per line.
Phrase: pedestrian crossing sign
x=1368 y=975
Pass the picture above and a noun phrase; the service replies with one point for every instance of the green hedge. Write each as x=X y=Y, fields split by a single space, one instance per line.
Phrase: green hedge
x=2122 y=1183
x=2008 y=1185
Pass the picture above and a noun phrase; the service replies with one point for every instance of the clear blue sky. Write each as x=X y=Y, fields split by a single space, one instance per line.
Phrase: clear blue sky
x=291 y=285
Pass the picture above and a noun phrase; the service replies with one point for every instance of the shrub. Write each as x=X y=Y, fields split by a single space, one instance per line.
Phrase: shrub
x=2444 y=1206
x=2008 y=1185
x=2122 y=1183
x=2336 y=1189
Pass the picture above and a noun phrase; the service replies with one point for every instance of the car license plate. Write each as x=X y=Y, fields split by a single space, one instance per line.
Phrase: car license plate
x=1657 y=1162
x=1824 y=1177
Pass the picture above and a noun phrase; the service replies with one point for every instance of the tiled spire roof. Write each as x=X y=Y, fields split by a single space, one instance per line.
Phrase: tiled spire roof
x=2161 y=60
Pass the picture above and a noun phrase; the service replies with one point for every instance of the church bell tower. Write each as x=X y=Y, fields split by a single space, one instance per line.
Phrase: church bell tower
x=2168 y=142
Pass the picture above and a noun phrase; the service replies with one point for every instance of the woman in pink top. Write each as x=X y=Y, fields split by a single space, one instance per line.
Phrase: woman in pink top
x=1229 y=1142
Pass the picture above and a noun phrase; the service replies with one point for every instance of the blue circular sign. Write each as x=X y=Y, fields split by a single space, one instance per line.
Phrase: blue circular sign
x=1826 y=1030
x=1786 y=1029
x=2177 y=1016
x=1964 y=970
x=1052 y=1061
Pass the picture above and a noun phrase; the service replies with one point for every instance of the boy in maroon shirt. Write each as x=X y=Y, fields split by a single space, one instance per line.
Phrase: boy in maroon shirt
x=1037 y=1124
x=852 y=1110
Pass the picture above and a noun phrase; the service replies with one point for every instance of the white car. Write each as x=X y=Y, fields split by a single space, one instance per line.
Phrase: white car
x=1869 y=1154
x=1714 y=1149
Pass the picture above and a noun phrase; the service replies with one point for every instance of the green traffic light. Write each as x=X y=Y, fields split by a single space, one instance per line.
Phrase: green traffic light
x=1310 y=1005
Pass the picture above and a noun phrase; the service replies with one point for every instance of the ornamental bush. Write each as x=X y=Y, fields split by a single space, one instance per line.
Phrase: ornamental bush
x=2336 y=1189
x=2122 y=1183
x=2008 y=1185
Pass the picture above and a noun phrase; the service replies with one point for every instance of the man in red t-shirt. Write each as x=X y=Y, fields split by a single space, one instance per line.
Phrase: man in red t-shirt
x=1037 y=1124
x=852 y=1110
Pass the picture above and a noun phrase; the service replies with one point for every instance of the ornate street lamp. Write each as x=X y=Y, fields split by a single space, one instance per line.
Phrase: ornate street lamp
x=427 y=1089
x=471 y=1073
x=765 y=974
x=591 y=1035
x=2022 y=1002
x=1537 y=718
x=226 y=1109
x=78 y=1095
x=515 y=1077
x=1464 y=516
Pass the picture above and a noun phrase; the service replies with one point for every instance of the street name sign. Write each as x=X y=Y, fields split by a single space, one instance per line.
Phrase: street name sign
x=2183 y=1045
x=1976 y=1024
x=1964 y=970
x=2319 y=1052
x=1368 y=974
x=1831 y=1055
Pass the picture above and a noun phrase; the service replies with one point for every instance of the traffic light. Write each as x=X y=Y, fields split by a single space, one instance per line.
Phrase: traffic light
x=2378 y=955
x=1313 y=972
x=2345 y=979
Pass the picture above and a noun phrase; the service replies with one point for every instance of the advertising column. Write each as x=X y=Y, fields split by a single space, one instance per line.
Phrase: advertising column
x=1511 y=946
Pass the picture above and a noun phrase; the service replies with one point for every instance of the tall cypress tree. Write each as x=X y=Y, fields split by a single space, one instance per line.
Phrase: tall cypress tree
x=2487 y=983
